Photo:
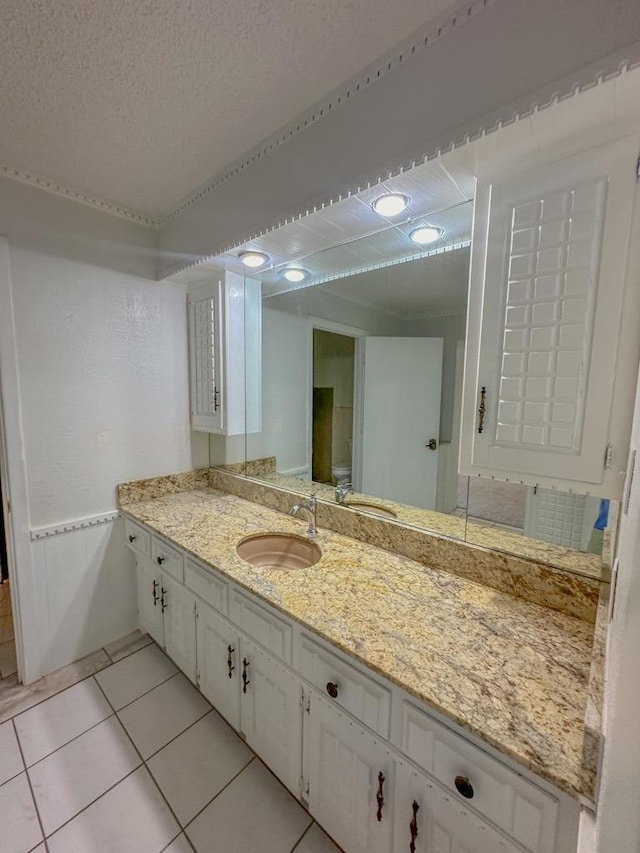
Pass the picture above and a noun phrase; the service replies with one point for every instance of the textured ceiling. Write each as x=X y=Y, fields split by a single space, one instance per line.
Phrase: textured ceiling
x=141 y=102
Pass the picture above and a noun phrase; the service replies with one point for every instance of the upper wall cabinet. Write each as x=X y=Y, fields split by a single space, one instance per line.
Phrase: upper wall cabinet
x=225 y=345
x=544 y=340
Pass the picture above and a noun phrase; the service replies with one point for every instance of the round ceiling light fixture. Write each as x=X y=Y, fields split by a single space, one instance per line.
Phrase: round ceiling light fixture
x=253 y=259
x=391 y=204
x=426 y=234
x=295 y=274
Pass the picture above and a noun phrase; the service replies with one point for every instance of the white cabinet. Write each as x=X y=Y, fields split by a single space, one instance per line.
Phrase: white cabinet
x=546 y=295
x=224 y=315
x=372 y=766
x=166 y=611
x=219 y=667
x=348 y=779
x=430 y=820
x=270 y=713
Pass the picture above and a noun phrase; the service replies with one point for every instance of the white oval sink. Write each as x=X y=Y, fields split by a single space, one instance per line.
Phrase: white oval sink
x=278 y=551
x=376 y=509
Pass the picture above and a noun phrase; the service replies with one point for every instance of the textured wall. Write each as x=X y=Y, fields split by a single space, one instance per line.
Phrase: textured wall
x=102 y=358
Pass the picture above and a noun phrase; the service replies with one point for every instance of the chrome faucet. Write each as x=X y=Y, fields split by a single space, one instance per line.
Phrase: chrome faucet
x=342 y=490
x=310 y=507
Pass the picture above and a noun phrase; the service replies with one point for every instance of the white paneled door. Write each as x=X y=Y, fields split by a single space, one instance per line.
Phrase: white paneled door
x=219 y=665
x=402 y=386
x=546 y=294
x=350 y=776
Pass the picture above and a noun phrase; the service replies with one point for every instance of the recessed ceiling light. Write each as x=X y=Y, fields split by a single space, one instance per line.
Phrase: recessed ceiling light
x=426 y=234
x=391 y=204
x=295 y=274
x=253 y=259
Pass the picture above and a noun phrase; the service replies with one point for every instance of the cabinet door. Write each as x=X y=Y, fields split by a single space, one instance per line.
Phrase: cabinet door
x=206 y=369
x=179 y=625
x=431 y=820
x=546 y=292
x=219 y=668
x=149 y=599
x=271 y=713
x=346 y=770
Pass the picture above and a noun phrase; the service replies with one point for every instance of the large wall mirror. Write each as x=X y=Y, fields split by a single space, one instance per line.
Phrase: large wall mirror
x=362 y=375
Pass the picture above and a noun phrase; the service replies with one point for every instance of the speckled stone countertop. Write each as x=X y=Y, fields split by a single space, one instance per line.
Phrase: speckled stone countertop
x=477 y=533
x=512 y=673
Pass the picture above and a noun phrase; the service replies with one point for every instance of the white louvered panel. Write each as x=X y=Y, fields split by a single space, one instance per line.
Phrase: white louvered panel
x=552 y=278
x=206 y=369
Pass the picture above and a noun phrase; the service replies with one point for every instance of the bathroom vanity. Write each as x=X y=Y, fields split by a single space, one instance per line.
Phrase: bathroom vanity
x=408 y=707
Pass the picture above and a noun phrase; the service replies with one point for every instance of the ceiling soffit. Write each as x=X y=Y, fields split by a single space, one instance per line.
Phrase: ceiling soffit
x=512 y=60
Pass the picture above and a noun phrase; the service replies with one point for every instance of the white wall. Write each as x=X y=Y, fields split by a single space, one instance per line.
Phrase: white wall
x=103 y=393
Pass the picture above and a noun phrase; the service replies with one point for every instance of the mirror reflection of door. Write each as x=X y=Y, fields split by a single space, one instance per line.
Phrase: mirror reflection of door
x=333 y=395
x=401 y=419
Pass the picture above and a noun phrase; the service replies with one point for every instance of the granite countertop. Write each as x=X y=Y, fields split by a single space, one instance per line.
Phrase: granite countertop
x=513 y=673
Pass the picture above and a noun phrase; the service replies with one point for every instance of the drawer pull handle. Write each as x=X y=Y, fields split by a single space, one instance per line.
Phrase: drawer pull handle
x=464 y=787
x=245 y=680
x=332 y=689
x=380 y=795
x=230 y=651
x=413 y=827
x=159 y=560
x=163 y=600
x=155 y=592
x=132 y=538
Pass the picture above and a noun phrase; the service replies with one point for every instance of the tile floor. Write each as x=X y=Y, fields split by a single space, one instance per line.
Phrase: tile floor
x=7 y=646
x=132 y=759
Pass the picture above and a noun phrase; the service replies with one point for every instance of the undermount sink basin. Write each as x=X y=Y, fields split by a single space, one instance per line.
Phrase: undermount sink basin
x=376 y=509
x=278 y=551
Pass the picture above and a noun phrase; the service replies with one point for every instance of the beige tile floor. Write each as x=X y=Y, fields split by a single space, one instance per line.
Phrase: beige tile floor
x=7 y=645
x=119 y=752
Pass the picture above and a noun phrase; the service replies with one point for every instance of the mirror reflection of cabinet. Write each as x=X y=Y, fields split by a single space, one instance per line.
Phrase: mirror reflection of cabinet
x=225 y=328
x=546 y=295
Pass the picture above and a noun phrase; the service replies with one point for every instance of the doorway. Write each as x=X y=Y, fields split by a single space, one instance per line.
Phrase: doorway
x=333 y=404
x=8 y=665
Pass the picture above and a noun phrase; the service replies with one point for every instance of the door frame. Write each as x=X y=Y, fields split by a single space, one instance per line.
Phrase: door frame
x=23 y=583
x=348 y=332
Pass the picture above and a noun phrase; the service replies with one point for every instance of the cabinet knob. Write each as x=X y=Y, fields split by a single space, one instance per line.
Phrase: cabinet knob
x=332 y=689
x=132 y=538
x=464 y=787
x=245 y=677
x=159 y=560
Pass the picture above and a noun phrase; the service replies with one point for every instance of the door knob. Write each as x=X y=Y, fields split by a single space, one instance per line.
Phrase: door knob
x=432 y=444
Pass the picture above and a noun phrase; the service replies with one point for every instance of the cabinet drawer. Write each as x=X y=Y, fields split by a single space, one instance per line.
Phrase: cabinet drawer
x=527 y=813
x=260 y=623
x=358 y=694
x=168 y=558
x=206 y=584
x=137 y=538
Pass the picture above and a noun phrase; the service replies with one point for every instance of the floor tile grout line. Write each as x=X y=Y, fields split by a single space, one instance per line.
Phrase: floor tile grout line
x=175 y=737
x=144 y=764
x=299 y=841
x=93 y=802
x=80 y=680
x=57 y=693
x=146 y=692
x=33 y=796
x=215 y=796
x=71 y=740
